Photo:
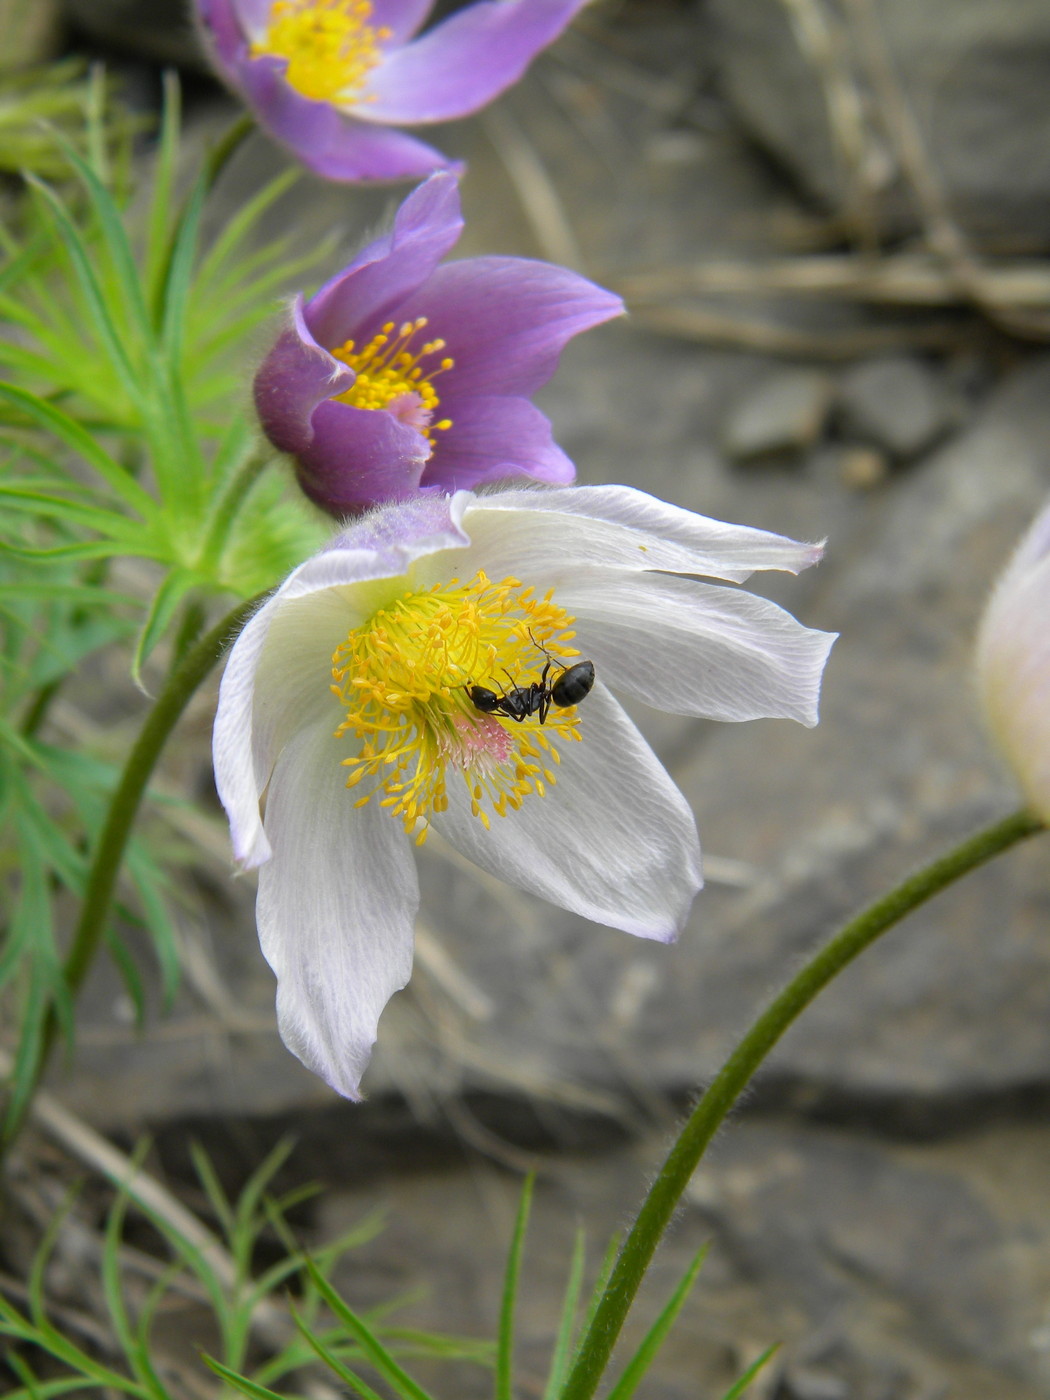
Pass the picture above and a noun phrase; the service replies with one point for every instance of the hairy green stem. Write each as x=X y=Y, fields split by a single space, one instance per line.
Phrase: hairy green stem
x=184 y=680
x=638 y=1248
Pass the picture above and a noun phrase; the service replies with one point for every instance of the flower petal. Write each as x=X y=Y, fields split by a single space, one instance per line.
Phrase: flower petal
x=613 y=840
x=325 y=140
x=277 y=674
x=692 y=648
x=253 y=17
x=401 y=17
x=461 y=64
x=506 y=320
x=539 y=535
x=1013 y=664
x=359 y=456
x=223 y=31
x=296 y=376
x=235 y=771
x=491 y=439
x=335 y=910
x=391 y=268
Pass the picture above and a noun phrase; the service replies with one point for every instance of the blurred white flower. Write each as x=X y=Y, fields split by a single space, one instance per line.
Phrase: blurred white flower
x=1013 y=664
x=420 y=661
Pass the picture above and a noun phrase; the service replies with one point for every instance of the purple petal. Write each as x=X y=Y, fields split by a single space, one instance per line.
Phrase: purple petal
x=492 y=439
x=322 y=138
x=463 y=63
x=359 y=457
x=295 y=377
x=425 y=227
x=401 y=17
x=254 y=17
x=506 y=320
x=223 y=28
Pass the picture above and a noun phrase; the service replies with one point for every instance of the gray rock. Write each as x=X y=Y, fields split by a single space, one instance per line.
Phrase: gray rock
x=976 y=76
x=897 y=402
x=785 y=412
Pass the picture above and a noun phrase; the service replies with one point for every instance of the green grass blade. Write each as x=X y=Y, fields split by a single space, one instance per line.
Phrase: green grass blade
x=511 y=1277
x=213 y=1189
x=28 y=501
x=84 y=261
x=241 y=1383
x=735 y=1391
x=165 y=168
x=562 y=1353
x=635 y=1370
x=177 y=284
x=398 y=1379
x=117 y=243
x=55 y=420
x=333 y=1362
x=237 y=228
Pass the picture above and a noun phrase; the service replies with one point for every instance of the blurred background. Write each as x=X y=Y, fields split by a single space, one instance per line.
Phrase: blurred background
x=831 y=222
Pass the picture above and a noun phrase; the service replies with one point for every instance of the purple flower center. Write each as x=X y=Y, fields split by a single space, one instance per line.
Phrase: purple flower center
x=393 y=375
x=329 y=44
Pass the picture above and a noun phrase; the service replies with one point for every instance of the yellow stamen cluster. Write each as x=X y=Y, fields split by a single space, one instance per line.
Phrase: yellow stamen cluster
x=329 y=44
x=403 y=677
x=388 y=369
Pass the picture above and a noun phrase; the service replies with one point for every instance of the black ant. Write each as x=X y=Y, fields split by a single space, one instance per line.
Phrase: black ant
x=571 y=685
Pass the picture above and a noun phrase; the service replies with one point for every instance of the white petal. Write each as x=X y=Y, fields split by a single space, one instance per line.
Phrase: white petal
x=232 y=741
x=536 y=534
x=696 y=649
x=613 y=840
x=277 y=675
x=335 y=910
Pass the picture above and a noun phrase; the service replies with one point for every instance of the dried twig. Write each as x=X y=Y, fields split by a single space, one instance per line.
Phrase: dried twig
x=539 y=197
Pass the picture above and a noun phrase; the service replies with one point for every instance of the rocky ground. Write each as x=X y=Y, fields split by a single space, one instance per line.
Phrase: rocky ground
x=880 y=1204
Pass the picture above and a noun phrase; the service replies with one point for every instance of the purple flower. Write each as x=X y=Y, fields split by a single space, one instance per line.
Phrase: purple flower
x=401 y=376
x=330 y=79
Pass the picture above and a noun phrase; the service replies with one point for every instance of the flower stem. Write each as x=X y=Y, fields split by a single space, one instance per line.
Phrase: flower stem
x=638 y=1248
x=187 y=675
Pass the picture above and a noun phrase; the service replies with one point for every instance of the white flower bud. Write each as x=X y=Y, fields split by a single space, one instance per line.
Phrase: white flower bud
x=1013 y=664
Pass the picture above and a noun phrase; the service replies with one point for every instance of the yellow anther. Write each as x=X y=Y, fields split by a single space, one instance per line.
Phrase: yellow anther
x=390 y=370
x=405 y=676
x=330 y=46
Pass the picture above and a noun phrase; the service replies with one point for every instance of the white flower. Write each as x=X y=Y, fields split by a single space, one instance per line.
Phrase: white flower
x=1013 y=664
x=362 y=671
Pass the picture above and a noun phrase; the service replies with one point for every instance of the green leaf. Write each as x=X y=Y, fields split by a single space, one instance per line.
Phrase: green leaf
x=562 y=1353
x=635 y=1370
x=735 y=1391
x=333 y=1362
x=84 y=261
x=511 y=1277
x=165 y=169
x=241 y=1383
x=114 y=237
x=108 y=523
x=162 y=609
x=79 y=440
x=399 y=1380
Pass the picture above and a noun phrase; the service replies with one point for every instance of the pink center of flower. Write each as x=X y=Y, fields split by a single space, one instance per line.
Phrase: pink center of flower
x=329 y=44
x=405 y=678
x=394 y=375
